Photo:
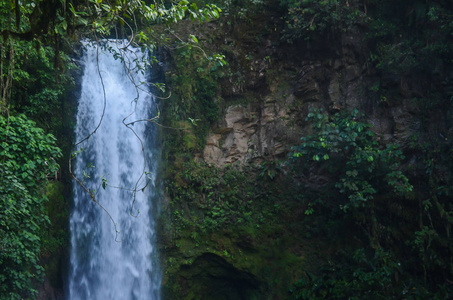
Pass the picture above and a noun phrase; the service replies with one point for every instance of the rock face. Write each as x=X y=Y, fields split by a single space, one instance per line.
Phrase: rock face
x=248 y=133
x=264 y=111
x=48 y=292
x=265 y=127
x=262 y=117
x=212 y=277
x=268 y=125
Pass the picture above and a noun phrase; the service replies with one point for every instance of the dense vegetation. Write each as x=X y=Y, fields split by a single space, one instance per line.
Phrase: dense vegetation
x=403 y=247
x=379 y=212
x=36 y=73
x=28 y=159
x=378 y=224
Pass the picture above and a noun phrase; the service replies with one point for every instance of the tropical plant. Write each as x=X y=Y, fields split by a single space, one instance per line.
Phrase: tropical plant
x=366 y=205
x=310 y=19
x=360 y=167
x=27 y=159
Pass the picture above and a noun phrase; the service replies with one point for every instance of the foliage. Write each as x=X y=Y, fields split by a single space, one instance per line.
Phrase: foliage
x=219 y=198
x=195 y=104
x=34 y=18
x=363 y=174
x=198 y=91
x=39 y=22
x=28 y=157
x=241 y=9
x=408 y=40
x=36 y=37
x=412 y=45
x=377 y=216
x=357 y=277
x=411 y=36
x=347 y=147
x=432 y=237
x=40 y=79
x=313 y=19
x=240 y=215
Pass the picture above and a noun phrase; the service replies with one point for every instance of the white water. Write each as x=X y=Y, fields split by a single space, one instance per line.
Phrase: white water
x=102 y=268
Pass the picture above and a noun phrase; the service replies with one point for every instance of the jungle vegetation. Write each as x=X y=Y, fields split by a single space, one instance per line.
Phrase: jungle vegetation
x=382 y=221
x=37 y=84
x=396 y=214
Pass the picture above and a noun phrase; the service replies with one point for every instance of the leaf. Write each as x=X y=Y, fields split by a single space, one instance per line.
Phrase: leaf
x=194 y=39
x=71 y=8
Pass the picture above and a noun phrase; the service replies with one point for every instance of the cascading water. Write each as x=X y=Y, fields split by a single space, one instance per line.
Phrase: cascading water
x=104 y=264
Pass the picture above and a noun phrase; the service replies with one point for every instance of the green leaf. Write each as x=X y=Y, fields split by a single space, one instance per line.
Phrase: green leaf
x=194 y=39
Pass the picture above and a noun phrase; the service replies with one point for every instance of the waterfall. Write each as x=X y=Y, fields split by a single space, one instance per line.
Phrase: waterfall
x=105 y=264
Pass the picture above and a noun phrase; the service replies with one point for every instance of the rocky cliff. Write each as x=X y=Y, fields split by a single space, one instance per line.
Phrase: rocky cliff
x=236 y=216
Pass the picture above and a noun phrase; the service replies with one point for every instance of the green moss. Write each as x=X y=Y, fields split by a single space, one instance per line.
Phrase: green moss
x=195 y=100
x=55 y=237
x=235 y=215
x=227 y=222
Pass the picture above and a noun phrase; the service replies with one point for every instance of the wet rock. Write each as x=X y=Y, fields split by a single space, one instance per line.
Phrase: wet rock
x=212 y=277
